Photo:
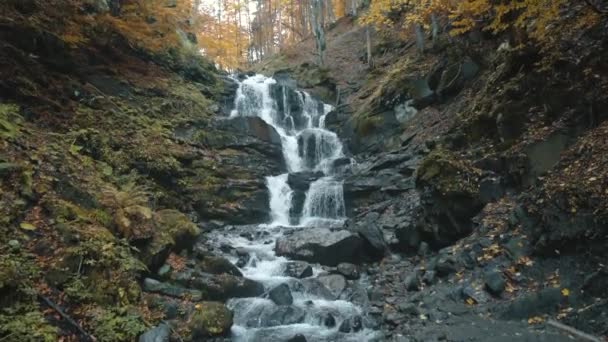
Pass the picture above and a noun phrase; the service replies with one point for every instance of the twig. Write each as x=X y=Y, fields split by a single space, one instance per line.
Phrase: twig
x=70 y=320
x=573 y=331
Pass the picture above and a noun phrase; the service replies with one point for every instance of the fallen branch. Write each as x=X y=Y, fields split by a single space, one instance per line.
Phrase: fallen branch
x=572 y=331
x=86 y=336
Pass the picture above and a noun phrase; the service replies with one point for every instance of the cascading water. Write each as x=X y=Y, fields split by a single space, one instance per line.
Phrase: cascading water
x=306 y=146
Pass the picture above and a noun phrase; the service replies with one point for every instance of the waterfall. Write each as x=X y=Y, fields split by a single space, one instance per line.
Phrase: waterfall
x=308 y=148
x=325 y=201
x=280 y=199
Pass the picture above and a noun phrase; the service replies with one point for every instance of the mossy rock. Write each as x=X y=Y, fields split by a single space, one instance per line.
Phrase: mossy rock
x=174 y=231
x=210 y=319
x=448 y=174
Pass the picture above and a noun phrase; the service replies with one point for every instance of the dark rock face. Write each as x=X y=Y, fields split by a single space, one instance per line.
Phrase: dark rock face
x=155 y=286
x=248 y=132
x=299 y=183
x=297 y=338
x=281 y=295
x=371 y=232
x=322 y=245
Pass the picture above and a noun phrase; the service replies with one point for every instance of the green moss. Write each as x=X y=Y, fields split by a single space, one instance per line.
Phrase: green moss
x=172 y=229
x=366 y=125
x=447 y=173
x=25 y=324
x=9 y=120
x=117 y=325
x=210 y=319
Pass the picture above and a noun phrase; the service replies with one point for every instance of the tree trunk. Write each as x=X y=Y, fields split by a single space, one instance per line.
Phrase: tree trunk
x=419 y=37
x=368 y=38
x=318 y=30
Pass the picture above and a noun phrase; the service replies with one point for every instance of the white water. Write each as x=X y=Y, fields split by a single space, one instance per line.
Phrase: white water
x=306 y=146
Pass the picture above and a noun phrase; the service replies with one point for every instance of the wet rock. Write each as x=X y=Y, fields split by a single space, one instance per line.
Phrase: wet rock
x=281 y=295
x=243 y=259
x=371 y=232
x=329 y=321
x=335 y=283
x=490 y=189
x=411 y=282
x=349 y=271
x=423 y=249
x=219 y=286
x=298 y=269
x=314 y=287
x=429 y=277
x=211 y=319
x=351 y=324
x=152 y=285
x=297 y=338
x=408 y=309
x=445 y=265
x=542 y=302
x=218 y=265
x=494 y=281
x=284 y=315
x=301 y=180
x=164 y=272
x=160 y=333
x=321 y=245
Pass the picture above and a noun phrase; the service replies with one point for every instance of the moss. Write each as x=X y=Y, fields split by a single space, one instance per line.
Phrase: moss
x=25 y=324
x=173 y=230
x=448 y=173
x=210 y=319
x=366 y=125
x=117 y=325
x=9 y=120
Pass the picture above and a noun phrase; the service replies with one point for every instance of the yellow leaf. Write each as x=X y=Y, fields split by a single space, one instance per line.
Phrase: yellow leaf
x=27 y=226
x=198 y=307
x=565 y=292
x=535 y=320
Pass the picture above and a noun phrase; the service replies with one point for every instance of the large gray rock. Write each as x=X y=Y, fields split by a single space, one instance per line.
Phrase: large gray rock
x=335 y=283
x=281 y=295
x=322 y=245
x=160 y=333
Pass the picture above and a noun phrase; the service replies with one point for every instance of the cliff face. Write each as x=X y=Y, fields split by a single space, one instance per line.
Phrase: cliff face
x=488 y=154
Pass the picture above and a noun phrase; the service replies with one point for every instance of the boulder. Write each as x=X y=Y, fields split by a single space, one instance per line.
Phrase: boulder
x=211 y=319
x=494 y=282
x=321 y=245
x=281 y=295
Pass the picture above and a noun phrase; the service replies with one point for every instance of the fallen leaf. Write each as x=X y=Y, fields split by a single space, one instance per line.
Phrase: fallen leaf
x=27 y=226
